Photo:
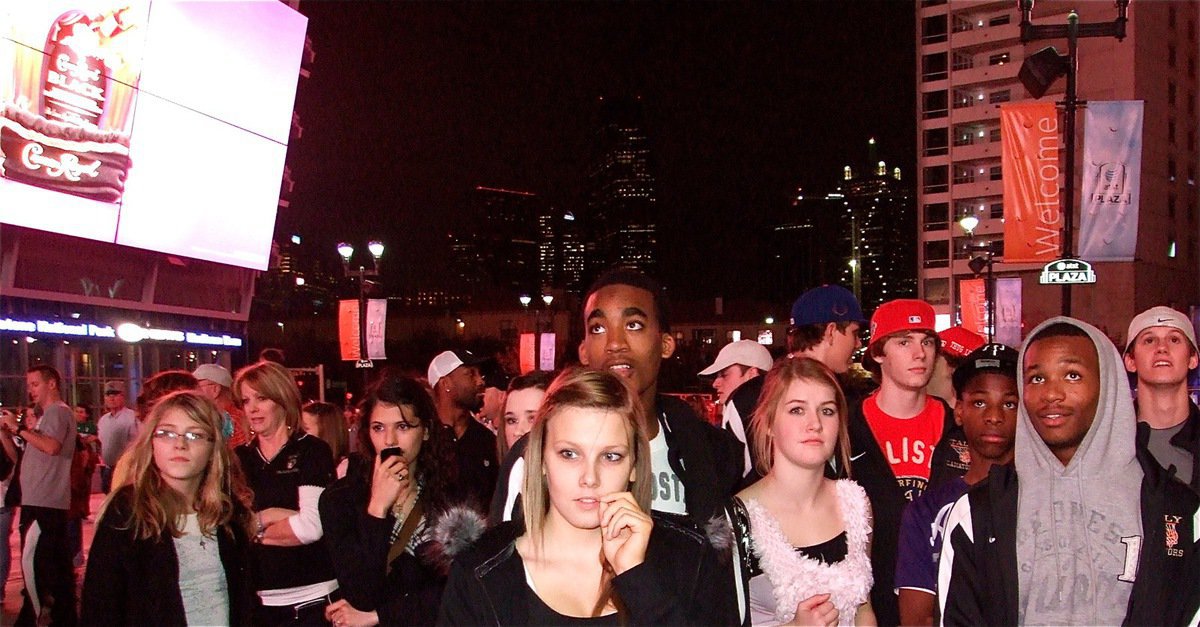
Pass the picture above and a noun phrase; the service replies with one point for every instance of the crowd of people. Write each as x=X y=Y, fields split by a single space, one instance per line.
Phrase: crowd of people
x=961 y=483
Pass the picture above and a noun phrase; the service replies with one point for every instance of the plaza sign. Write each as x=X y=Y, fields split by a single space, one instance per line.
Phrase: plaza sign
x=1067 y=272
x=128 y=332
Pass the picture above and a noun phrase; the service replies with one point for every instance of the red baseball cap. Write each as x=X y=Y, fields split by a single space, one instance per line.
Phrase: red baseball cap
x=904 y=314
x=959 y=342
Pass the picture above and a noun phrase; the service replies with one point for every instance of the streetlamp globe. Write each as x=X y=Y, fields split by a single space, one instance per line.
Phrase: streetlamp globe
x=968 y=224
x=376 y=248
x=525 y=300
x=345 y=250
x=546 y=298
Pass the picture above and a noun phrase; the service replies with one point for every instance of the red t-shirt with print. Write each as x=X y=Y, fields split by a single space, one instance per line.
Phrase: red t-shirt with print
x=907 y=443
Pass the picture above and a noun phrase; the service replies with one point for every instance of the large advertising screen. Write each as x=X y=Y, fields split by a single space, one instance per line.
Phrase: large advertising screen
x=158 y=124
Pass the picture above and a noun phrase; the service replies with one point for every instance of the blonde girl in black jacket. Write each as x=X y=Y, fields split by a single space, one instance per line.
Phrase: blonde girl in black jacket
x=588 y=551
x=171 y=543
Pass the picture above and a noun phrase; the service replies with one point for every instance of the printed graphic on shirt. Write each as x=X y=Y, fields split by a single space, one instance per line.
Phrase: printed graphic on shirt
x=668 y=493
x=907 y=443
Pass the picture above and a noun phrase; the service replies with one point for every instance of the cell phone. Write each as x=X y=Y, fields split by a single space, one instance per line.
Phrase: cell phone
x=391 y=451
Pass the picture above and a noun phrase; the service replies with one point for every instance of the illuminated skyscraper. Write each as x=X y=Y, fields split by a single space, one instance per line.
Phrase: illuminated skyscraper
x=621 y=195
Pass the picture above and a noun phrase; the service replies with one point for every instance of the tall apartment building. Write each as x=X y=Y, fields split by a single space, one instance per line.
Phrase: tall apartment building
x=497 y=256
x=969 y=55
x=622 y=198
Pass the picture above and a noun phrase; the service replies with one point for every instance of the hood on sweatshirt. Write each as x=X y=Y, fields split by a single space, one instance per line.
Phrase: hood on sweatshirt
x=1078 y=525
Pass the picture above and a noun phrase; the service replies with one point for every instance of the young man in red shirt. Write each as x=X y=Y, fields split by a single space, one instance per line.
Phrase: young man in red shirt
x=902 y=439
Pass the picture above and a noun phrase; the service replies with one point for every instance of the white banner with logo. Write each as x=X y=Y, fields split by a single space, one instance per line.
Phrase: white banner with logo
x=1112 y=172
x=1008 y=311
x=348 y=328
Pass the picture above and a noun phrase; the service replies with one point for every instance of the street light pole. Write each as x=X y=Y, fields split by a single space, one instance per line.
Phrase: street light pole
x=1070 y=65
x=346 y=252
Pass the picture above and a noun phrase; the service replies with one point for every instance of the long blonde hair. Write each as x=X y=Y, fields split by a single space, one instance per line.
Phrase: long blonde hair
x=222 y=497
x=585 y=389
x=777 y=381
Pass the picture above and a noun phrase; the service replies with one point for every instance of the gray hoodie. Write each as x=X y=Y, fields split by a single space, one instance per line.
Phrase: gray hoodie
x=1079 y=526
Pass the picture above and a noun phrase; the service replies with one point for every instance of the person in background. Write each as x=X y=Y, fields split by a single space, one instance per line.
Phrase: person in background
x=458 y=393
x=1160 y=350
x=803 y=546
x=45 y=499
x=272 y=354
x=154 y=388
x=350 y=422
x=83 y=419
x=10 y=494
x=171 y=544
x=955 y=344
x=216 y=383
x=588 y=550
x=324 y=421
x=521 y=404
x=986 y=384
x=83 y=465
x=826 y=324
x=495 y=386
x=116 y=428
x=737 y=378
x=377 y=519
x=287 y=470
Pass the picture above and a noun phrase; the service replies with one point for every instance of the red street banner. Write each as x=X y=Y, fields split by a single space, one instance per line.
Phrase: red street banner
x=1029 y=162
x=348 y=329
x=973 y=305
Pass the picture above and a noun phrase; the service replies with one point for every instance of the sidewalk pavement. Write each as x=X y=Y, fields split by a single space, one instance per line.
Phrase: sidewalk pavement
x=12 y=587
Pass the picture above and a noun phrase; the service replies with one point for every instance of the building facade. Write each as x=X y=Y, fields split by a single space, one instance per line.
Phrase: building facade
x=622 y=197
x=969 y=55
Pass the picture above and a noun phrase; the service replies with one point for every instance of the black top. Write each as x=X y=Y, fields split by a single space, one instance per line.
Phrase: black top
x=680 y=583
x=830 y=551
x=542 y=614
x=131 y=581
x=475 y=453
x=303 y=461
x=404 y=592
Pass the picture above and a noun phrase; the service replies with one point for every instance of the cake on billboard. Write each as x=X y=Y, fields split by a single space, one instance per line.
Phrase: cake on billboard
x=67 y=113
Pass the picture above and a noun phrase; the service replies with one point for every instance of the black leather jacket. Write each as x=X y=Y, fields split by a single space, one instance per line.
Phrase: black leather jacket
x=674 y=586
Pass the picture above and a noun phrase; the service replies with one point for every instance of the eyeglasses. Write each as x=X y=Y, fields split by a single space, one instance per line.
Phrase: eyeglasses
x=190 y=437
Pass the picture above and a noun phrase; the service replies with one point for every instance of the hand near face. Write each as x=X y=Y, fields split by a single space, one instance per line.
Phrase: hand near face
x=816 y=610
x=625 y=531
x=389 y=481
x=8 y=420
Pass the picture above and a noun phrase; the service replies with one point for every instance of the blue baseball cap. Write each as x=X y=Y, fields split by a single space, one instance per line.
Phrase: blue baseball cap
x=825 y=304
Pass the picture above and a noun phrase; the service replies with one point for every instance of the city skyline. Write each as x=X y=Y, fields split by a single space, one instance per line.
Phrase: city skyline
x=744 y=104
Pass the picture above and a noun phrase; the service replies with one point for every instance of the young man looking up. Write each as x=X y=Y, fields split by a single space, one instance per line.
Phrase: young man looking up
x=1096 y=533
x=696 y=466
x=986 y=385
x=739 y=370
x=1161 y=351
x=901 y=439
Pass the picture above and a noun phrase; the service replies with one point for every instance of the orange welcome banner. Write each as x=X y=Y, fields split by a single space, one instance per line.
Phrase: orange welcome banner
x=1029 y=159
x=973 y=305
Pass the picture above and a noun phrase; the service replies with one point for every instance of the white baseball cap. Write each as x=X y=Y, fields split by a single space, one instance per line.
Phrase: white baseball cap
x=448 y=361
x=1160 y=317
x=744 y=352
x=214 y=373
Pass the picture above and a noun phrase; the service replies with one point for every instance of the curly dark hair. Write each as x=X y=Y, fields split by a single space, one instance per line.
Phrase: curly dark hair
x=437 y=468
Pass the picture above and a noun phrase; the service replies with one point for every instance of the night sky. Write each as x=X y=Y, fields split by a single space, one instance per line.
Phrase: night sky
x=412 y=104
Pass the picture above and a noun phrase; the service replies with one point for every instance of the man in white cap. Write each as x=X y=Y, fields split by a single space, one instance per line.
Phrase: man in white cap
x=216 y=383
x=1160 y=350
x=739 y=368
x=117 y=429
x=458 y=394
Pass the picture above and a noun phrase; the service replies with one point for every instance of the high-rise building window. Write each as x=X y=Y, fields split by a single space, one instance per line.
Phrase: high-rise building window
x=937 y=291
x=1171 y=131
x=934 y=104
x=933 y=66
x=1171 y=247
x=935 y=140
x=1171 y=55
x=933 y=29
x=1000 y=20
x=936 y=179
x=999 y=59
x=1171 y=92
x=997 y=97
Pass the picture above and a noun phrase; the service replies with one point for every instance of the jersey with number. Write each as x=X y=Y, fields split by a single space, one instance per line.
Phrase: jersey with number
x=907 y=443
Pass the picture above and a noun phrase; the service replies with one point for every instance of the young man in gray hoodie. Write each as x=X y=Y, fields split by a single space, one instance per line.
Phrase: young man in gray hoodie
x=1096 y=533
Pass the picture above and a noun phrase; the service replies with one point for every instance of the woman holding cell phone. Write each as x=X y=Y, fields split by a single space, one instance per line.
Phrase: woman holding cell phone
x=588 y=550
x=376 y=517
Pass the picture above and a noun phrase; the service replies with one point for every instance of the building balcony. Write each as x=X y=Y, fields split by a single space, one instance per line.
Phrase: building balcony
x=986 y=38
x=982 y=149
x=976 y=189
x=976 y=113
x=1006 y=72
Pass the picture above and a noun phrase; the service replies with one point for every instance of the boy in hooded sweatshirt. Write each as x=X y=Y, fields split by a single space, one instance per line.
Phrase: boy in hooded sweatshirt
x=1095 y=533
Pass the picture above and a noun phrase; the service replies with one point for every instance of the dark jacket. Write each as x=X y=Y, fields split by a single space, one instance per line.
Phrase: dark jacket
x=707 y=459
x=870 y=468
x=358 y=543
x=674 y=586
x=1188 y=439
x=983 y=581
x=136 y=582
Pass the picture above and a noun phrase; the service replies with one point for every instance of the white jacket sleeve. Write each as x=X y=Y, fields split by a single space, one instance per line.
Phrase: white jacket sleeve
x=960 y=516
x=306 y=523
